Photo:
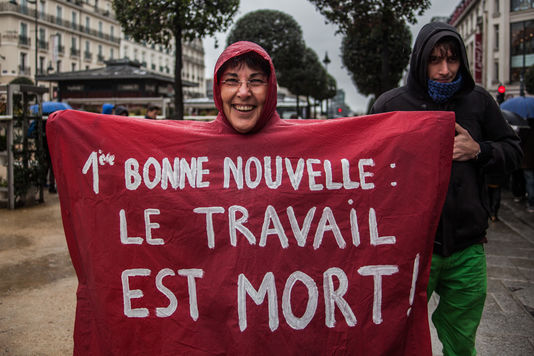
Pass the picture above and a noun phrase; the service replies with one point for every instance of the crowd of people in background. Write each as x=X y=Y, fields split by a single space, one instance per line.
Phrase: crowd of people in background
x=152 y=111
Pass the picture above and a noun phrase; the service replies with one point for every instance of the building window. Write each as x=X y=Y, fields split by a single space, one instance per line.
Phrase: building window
x=496 y=7
x=100 y=29
x=73 y=67
x=74 y=20
x=60 y=47
x=41 y=64
x=24 y=29
x=496 y=34
x=112 y=33
x=42 y=41
x=23 y=36
x=520 y=5
x=22 y=63
x=496 y=72
x=59 y=15
x=87 y=55
x=42 y=9
x=24 y=7
x=521 y=48
x=58 y=66
x=87 y=24
x=111 y=53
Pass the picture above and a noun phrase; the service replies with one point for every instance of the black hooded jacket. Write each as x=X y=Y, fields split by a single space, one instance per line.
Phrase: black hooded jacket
x=464 y=218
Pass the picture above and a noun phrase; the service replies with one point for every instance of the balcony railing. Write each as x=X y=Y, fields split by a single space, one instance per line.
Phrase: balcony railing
x=43 y=45
x=24 y=70
x=74 y=52
x=88 y=56
x=61 y=49
x=100 y=58
x=24 y=9
x=24 y=40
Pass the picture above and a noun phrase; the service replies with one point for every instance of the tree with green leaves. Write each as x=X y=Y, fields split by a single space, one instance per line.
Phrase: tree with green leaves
x=381 y=19
x=278 y=33
x=362 y=57
x=161 y=22
x=327 y=91
x=310 y=79
x=347 y=13
x=22 y=80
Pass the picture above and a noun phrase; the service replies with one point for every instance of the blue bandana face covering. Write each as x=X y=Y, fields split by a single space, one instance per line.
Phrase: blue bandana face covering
x=441 y=92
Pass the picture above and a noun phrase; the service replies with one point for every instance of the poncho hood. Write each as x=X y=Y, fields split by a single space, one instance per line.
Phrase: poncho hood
x=427 y=38
x=269 y=114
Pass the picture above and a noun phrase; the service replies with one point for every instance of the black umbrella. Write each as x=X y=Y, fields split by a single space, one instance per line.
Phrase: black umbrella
x=514 y=119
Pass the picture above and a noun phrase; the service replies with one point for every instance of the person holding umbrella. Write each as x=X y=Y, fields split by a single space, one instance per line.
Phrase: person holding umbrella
x=47 y=108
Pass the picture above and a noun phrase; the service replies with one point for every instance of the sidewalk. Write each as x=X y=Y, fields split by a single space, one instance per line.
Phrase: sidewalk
x=507 y=326
x=38 y=285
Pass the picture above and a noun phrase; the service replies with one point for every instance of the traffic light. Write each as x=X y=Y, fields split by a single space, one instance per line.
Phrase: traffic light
x=500 y=94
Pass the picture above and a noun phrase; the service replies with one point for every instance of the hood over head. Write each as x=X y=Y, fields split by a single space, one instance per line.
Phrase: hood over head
x=427 y=38
x=121 y=110
x=269 y=113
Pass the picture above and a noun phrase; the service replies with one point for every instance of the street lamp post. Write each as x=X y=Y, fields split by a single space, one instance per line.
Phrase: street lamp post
x=49 y=70
x=326 y=62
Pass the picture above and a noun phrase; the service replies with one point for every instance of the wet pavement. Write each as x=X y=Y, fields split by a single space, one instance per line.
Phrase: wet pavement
x=507 y=326
x=38 y=284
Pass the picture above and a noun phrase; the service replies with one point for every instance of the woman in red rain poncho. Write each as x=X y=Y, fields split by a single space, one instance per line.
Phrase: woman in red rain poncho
x=244 y=88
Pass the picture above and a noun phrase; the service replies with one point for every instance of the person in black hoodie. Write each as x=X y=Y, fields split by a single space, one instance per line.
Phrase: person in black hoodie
x=439 y=79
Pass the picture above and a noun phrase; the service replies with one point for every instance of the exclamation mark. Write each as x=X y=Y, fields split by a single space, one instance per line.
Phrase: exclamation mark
x=414 y=279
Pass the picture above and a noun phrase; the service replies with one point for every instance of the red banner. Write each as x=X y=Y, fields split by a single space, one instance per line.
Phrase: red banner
x=309 y=237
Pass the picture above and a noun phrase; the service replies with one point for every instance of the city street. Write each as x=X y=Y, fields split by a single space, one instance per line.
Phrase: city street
x=38 y=285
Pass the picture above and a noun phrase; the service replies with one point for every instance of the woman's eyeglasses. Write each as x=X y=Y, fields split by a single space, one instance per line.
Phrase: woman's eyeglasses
x=251 y=84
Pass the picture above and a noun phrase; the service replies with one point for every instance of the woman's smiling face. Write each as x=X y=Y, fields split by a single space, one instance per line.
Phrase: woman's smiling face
x=243 y=93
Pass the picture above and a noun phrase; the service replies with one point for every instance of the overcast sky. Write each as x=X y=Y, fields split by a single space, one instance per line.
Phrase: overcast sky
x=319 y=36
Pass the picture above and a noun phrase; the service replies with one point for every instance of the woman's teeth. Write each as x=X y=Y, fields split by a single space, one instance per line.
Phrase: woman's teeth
x=244 y=107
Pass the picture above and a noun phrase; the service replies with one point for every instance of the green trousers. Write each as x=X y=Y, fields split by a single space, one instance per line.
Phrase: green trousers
x=460 y=282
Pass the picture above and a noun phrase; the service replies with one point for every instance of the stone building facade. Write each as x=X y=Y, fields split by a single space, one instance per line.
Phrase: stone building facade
x=52 y=36
x=499 y=38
